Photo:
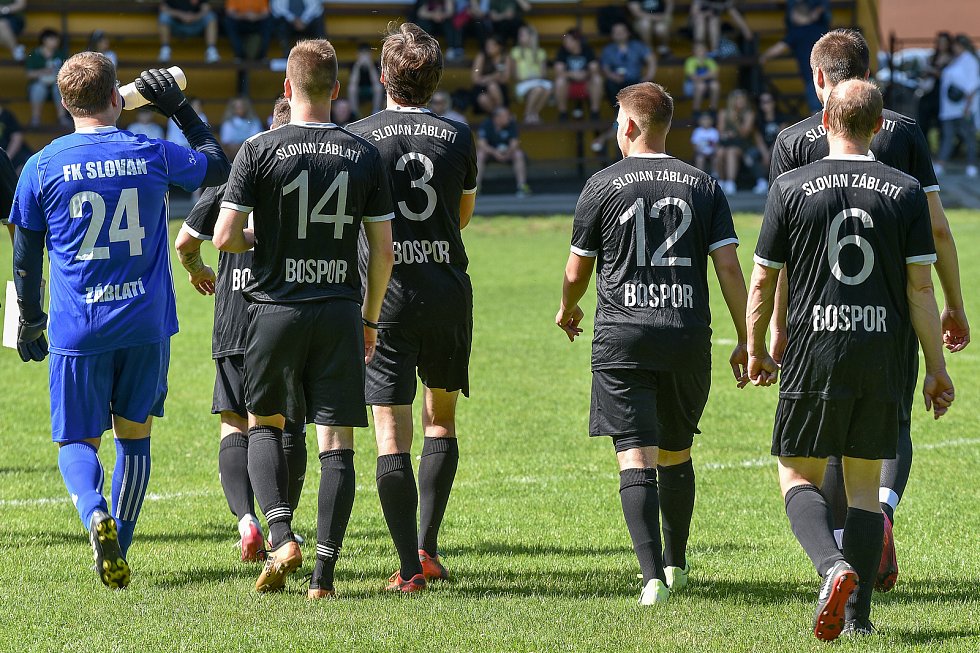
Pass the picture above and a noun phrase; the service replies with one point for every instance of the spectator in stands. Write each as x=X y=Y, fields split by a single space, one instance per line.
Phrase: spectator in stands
x=342 y=112
x=11 y=26
x=704 y=140
x=441 y=104
x=942 y=54
x=531 y=74
x=491 y=73
x=736 y=126
x=626 y=61
x=498 y=142
x=806 y=22
x=701 y=78
x=99 y=42
x=959 y=95
x=12 y=139
x=506 y=17
x=146 y=125
x=706 y=18
x=240 y=124
x=364 y=82
x=188 y=18
x=296 y=19
x=578 y=75
x=471 y=18
x=651 y=19
x=244 y=17
x=42 y=66
x=769 y=122
x=437 y=17
x=174 y=135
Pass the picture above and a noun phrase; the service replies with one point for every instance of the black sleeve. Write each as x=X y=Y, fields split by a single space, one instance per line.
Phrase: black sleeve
x=240 y=190
x=921 y=160
x=586 y=231
x=200 y=138
x=202 y=218
x=722 y=224
x=379 y=206
x=8 y=184
x=780 y=161
x=919 y=246
x=772 y=249
x=469 y=181
x=28 y=267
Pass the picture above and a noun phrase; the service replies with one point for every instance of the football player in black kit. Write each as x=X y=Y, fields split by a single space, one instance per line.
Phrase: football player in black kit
x=648 y=224
x=855 y=239
x=426 y=322
x=309 y=186
x=840 y=55
x=228 y=351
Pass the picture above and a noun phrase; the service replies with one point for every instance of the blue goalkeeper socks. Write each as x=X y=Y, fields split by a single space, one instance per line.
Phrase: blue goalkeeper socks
x=130 y=478
x=82 y=471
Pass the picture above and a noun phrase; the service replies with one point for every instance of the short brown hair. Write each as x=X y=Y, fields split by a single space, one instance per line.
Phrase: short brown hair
x=853 y=109
x=411 y=62
x=312 y=68
x=281 y=113
x=841 y=54
x=86 y=82
x=652 y=104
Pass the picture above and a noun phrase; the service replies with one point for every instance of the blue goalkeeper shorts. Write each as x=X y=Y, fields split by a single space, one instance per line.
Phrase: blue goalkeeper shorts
x=86 y=391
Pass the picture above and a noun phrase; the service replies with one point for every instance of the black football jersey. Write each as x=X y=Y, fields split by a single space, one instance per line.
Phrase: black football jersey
x=900 y=144
x=846 y=228
x=651 y=222
x=234 y=270
x=431 y=163
x=308 y=186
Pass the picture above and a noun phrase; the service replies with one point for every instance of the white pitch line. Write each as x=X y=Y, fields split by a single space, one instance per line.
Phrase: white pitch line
x=152 y=496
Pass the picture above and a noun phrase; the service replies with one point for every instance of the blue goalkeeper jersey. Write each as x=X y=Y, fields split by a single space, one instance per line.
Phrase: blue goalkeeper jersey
x=101 y=196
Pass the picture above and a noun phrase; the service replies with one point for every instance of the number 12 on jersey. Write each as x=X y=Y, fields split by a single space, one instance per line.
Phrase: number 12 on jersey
x=639 y=215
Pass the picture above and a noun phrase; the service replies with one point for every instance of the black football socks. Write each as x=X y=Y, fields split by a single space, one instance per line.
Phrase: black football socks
x=810 y=519
x=233 y=471
x=437 y=470
x=833 y=491
x=864 y=533
x=294 y=448
x=676 y=489
x=334 y=505
x=400 y=502
x=895 y=473
x=267 y=472
x=641 y=508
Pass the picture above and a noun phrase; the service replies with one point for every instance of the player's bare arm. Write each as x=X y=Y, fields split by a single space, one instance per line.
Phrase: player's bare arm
x=937 y=388
x=230 y=234
x=467 y=203
x=955 y=326
x=578 y=272
x=777 y=344
x=381 y=259
x=762 y=290
x=732 y=283
x=200 y=275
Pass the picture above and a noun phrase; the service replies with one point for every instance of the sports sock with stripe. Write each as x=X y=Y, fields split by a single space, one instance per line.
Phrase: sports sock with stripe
x=267 y=473
x=130 y=479
x=677 y=490
x=294 y=448
x=233 y=471
x=895 y=472
x=832 y=489
x=399 y=503
x=809 y=517
x=437 y=471
x=334 y=505
x=80 y=467
x=864 y=533
x=641 y=508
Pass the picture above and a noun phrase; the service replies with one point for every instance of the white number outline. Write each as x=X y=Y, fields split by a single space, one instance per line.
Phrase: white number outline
x=126 y=207
x=421 y=183
x=339 y=186
x=637 y=211
x=836 y=244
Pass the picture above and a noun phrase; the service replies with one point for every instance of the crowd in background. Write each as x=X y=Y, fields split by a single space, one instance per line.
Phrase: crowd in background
x=733 y=129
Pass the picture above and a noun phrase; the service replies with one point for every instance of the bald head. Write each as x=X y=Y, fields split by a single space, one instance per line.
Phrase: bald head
x=853 y=111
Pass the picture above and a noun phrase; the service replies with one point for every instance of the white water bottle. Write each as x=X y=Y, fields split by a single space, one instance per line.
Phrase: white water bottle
x=132 y=99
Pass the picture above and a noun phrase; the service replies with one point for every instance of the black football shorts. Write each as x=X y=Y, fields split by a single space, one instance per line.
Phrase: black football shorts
x=439 y=352
x=655 y=408
x=812 y=427
x=313 y=351
x=229 y=392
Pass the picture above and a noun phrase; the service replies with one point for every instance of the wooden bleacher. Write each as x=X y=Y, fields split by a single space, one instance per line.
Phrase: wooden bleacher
x=132 y=27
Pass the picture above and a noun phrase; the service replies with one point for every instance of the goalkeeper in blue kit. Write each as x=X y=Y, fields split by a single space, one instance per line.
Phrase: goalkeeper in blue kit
x=97 y=198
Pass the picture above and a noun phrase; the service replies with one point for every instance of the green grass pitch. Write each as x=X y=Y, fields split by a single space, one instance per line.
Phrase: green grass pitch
x=534 y=537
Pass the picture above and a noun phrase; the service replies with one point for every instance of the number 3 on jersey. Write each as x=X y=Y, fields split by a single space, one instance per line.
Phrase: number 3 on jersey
x=338 y=219
x=127 y=207
x=422 y=183
x=660 y=258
